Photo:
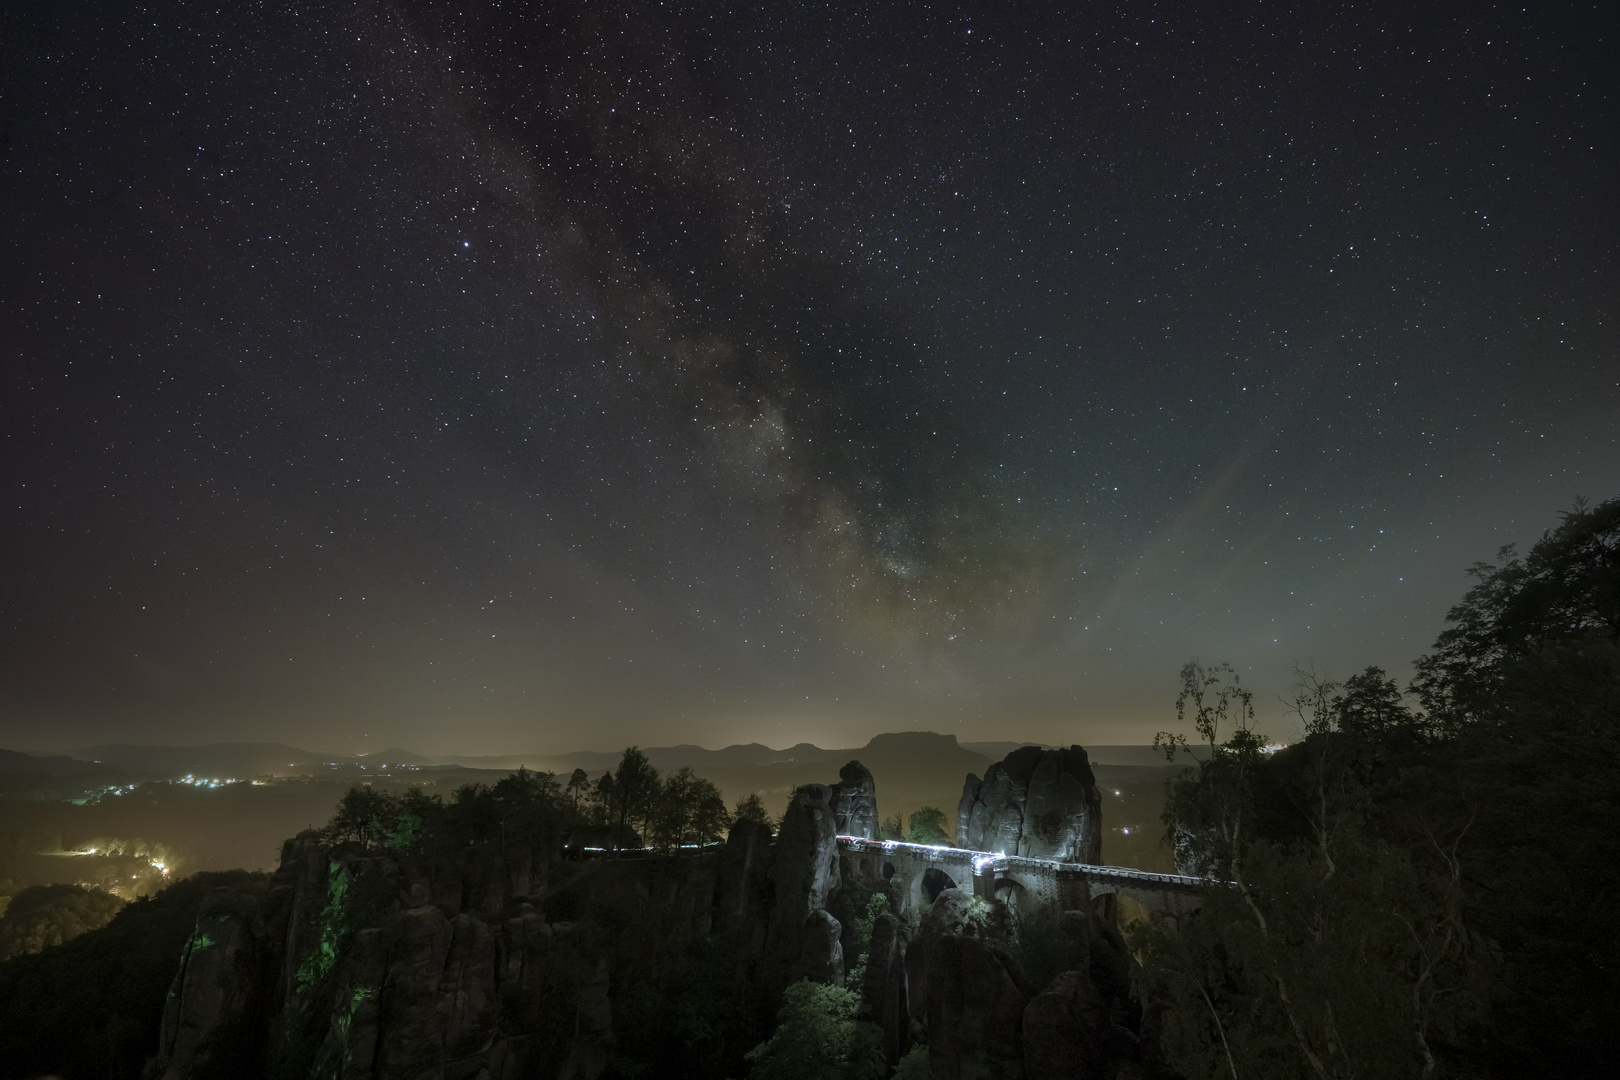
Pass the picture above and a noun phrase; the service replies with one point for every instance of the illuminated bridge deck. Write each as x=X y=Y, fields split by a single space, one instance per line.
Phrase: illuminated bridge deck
x=923 y=869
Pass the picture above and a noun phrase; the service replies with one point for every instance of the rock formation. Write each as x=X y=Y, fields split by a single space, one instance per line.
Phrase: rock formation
x=807 y=853
x=822 y=957
x=1041 y=804
x=806 y=875
x=358 y=963
x=986 y=1020
x=854 y=802
x=947 y=917
x=745 y=881
x=884 y=999
x=975 y=1013
x=499 y=961
x=1063 y=1030
x=219 y=984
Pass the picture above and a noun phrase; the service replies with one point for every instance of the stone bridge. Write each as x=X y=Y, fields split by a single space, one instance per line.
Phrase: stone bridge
x=922 y=871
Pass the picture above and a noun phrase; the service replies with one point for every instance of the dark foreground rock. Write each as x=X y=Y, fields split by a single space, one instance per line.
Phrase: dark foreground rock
x=822 y=957
x=884 y=997
x=947 y=917
x=975 y=1013
x=218 y=980
x=1064 y=1029
x=986 y=1020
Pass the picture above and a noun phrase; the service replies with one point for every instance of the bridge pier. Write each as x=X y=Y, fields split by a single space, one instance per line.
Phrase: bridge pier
x=1074 y=890
x=984 y=884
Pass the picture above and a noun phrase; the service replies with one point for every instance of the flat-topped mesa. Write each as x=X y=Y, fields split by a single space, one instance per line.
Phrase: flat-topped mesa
x=854 y=801
x=1041 y=804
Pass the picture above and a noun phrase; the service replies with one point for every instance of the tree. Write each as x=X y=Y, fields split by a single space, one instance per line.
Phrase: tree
x=709 y=819
x=531 y=810
x=1567 y=590
x=92 y=1007
x=47 y=915
x=857 y=908
x=688 y=810
x=364 y=816
x=752 y=808
x=1522 y=696
x=927 y=826
x=1525 y=681
x=892 y=828
x=818 y=1038
x=1210 y=807
x=914 y=1066
x=579 y=786
x=1372 y=708
x=635 y=786
x=1320 y=948
x=603 y=799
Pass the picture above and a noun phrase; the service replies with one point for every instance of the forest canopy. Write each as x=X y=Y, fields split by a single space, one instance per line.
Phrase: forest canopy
x=1423 y=884
x=635 y=803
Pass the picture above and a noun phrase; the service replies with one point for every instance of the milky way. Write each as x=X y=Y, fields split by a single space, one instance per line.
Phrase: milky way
x=733 y=288
x=548 y=375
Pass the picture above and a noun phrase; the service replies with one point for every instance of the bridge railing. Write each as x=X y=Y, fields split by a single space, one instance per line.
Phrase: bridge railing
x=991 y=860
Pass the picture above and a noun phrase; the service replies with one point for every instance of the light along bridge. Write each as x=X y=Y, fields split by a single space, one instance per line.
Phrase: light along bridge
x=922 y=871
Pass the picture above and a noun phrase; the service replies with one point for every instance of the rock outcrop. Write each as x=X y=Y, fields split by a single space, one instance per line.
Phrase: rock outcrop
x=947 y=917
x=884 y=998
x=745 y=883
x=806 y=876
x=1041 y=804
x=986 y=1020
x=506 y=960
x=591 y=1049
x=1063 y=1030
x=217 y=981
x=445 y=964
x=854 y=802
x=975 y=1013
x=822 y=957
x=806 y=853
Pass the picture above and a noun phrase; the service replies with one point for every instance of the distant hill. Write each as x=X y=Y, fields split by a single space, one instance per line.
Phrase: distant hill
x=664 y=757
x=995 y=751
x=1105 y=754
x=254 y=759
x=15 y=762
x=392 y=756
x=214 y=760
x=911 y=768
x=278 y=759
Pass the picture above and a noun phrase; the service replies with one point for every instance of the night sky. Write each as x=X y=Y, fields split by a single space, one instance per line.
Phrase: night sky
x=492 y=377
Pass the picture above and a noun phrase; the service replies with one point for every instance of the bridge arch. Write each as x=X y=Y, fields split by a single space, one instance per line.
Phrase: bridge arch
x=935 y=881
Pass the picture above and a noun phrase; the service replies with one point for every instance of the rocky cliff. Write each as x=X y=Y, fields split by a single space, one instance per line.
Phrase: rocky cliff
x=854 y=802
x=492 y=964
x=958 y=985
x=484 y=956
x=1041 y=804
